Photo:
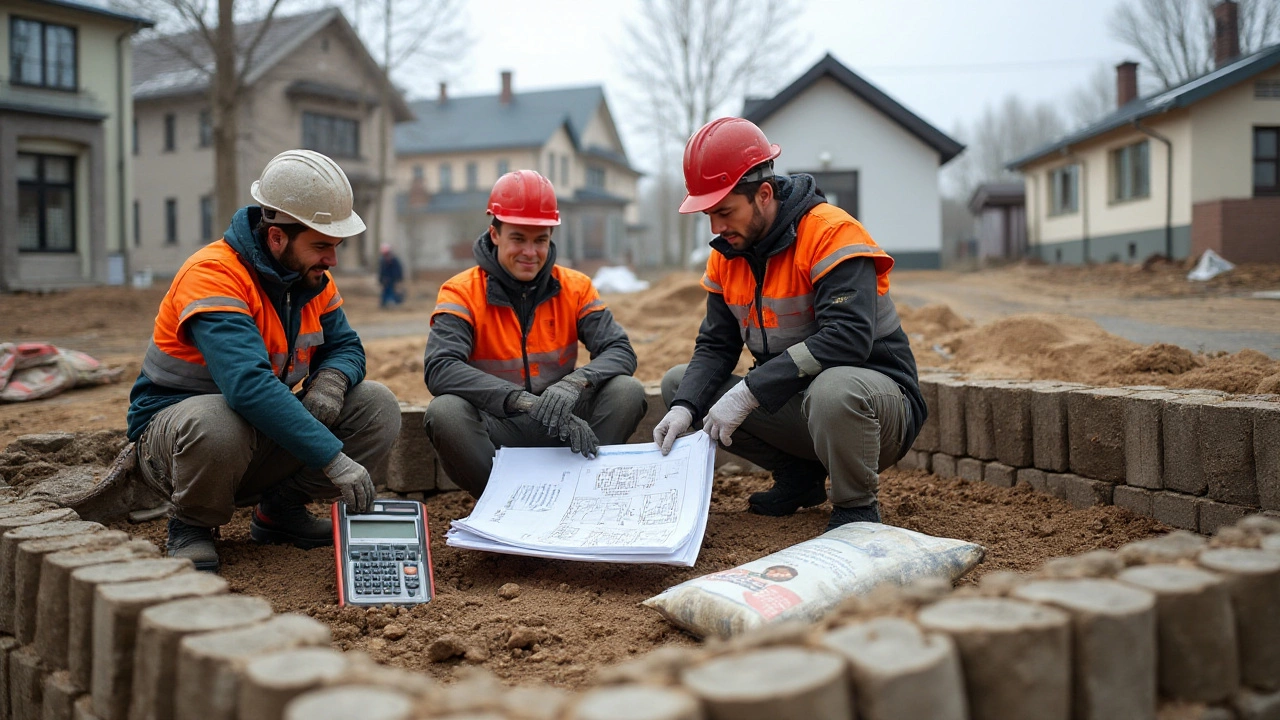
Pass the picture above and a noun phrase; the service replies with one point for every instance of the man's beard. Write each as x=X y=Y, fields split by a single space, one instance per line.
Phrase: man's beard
x=757 y=228
x=291 y=262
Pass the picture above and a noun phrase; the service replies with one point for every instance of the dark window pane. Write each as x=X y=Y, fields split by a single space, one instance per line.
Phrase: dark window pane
x=26 y=56
x=1264 y=143
x=1142 y=169
x=473 y=175
x=28 y=218
x=171 y=221
x=58 y=213
x=60 y=57
x=170 y=131
x=57 y=169
x=1264 y=174
x=28 y=167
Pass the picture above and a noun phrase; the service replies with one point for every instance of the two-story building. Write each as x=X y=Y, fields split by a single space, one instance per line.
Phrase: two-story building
x=65 y=169
x=1176 y=172
x=312 y=84
x=450 y=157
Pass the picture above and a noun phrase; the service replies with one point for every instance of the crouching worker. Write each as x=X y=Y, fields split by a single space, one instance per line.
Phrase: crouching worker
x=801 y=283
x=503 y=347
x=246 y=319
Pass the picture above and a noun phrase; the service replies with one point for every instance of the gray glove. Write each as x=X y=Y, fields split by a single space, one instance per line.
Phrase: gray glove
x=353 y=481
x=325 y=395
x=675 y=423
x=581 y=438
x=555 y=405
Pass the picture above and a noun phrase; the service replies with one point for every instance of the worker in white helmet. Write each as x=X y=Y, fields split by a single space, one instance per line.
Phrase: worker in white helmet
x=248 y=319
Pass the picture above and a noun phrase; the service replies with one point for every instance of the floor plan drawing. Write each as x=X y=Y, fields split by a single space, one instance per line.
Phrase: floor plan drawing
x=598 y=511
x=660 y=508
x=626 y=479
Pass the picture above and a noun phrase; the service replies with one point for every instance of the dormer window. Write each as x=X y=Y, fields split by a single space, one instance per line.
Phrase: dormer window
x=42 y=54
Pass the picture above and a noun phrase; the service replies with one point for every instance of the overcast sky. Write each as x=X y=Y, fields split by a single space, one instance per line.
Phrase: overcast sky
x=943 y=59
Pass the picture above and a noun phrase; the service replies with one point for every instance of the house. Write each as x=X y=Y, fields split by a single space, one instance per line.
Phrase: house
x=312 y=85
x=65 y=169
x=449 y=158
x=870 y=155
x=1000 y=221
x=1183 y=170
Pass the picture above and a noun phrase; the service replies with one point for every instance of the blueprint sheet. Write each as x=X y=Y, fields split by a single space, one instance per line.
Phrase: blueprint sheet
x=629 y=504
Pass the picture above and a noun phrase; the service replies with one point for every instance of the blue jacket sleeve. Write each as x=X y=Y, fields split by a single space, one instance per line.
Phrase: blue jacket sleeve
x=342 y=349
x=237 y=358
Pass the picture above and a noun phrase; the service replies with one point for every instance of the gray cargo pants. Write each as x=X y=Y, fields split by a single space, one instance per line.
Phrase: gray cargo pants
x=853 y=420
x=215 y=461
x=466 y=437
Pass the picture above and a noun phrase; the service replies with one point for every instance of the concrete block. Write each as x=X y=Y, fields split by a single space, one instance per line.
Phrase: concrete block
x=352 y=701
x=59 y=696
x=999 y=474
x=924 y=461
x=22 y=508
x=1135 y=500
x=969 y=469
x=1181 y=425
x=271 y=681
x=1253 y=581
x=9 y=542
x=29 y=567
x=1095 y=425
x=1266 y=461
x=1226 y=448
x=1250 y=705
x=1084 y=492
x=979 y=421
x=952 y=437
x=84 y=709
x=7 y=644
x=1036 y=478
x=928 y=439
x=1049 y=436
x=443 y=482
x=944 y=465
x=659 y=703
x=412 y=464
x=1144 y=438
x=1056 y=485
x=1012 y=424
x=772 y=683
x=1216 y=515
x=1176 y=510
x=654 y=412
x=26 y=684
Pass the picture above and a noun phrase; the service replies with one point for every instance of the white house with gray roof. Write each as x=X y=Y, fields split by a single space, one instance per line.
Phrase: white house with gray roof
x=451 y=155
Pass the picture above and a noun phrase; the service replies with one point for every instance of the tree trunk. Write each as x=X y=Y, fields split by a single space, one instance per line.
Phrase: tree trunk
x=225 y=114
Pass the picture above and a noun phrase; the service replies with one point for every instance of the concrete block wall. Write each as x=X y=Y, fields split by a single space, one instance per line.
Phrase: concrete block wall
x=1194 y=459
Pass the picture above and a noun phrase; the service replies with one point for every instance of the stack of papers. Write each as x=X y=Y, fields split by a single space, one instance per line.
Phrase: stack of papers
x=631 y=504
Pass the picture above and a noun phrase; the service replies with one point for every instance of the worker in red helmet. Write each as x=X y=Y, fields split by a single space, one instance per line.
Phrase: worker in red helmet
x=834 y=390
x=502 y=357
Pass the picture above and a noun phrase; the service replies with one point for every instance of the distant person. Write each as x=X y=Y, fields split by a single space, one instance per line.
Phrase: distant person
x=834 y=389
x=390 y=274
x=503 y=347
x=247 y=319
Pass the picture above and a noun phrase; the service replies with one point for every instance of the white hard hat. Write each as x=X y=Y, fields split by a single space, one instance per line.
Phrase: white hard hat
x=310 y=189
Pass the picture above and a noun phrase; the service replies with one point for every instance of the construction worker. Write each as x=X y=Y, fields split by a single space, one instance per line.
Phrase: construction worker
x=503 y=347
x=247 y=319
x=833 y=390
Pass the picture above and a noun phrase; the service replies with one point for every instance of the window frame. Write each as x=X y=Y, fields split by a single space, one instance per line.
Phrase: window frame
x=171 y=221
x=41 y=186
x=594 y=172
x=1054 y=209
x=15 y=77
x=473 y=176
x=170 y=132
x=204 y=131
x=1125 y=172
x=1274 y=160
x=315 y=122
x=445 y=173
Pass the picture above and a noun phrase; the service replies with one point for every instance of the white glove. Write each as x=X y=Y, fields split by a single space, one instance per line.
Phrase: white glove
x=675 y=423
x=353 y=481
x=728 y=413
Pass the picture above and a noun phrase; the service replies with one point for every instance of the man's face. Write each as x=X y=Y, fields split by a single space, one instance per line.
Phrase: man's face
x=309 y=254
x=522 y=249
x=739 y=219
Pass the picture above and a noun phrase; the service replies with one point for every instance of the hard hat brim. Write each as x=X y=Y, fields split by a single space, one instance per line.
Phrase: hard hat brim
x=518 y=220
x=699 y=203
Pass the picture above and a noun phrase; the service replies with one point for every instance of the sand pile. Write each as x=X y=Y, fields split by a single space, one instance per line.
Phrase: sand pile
x=931 y=321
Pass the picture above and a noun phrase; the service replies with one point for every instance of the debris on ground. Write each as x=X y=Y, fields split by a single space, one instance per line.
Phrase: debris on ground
x=33 y=371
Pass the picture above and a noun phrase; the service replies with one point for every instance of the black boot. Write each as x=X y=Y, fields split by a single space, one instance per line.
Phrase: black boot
x=282 y=517
x=845 y=515
x=796 y=484
x=193 y=543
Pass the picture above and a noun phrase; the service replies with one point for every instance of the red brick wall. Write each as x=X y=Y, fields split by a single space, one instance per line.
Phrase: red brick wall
x=1238 y=230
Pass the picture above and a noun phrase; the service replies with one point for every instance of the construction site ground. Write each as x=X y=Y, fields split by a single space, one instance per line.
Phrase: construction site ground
x=1022 y=321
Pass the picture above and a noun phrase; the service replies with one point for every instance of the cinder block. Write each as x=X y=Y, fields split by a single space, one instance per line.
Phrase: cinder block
x=443 y=481
x=652 y=416
x=909 y=461
x=944 y=465
x=1266 y=461
x=1085 y=492
x=927 y=440
x=1226 y=448
x=1135 y=500
x=1049 y=435
x=979 y=425
x=7 y=644
x=26 y=684
x=999 y=474
x=1215 y=515
x=1144 y=438
x=1254 y=705
x=951 y=431
x=1012 y=424
x=412 y=465
x=1176 y=510
x=59 y=696
x=1095 y=424
x=1036 y=478
x=1180 y=423
x=9 y=542
x=28 y=573
x=1056 y=485
x=969 y=469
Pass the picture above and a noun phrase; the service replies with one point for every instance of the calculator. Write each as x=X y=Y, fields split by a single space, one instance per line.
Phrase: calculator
x=383 y=556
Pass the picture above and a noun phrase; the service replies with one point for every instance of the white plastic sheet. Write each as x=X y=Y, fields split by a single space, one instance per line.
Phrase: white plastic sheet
x=618 y=279
x=1211 y=265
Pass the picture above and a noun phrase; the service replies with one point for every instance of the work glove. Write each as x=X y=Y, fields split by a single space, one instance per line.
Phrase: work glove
x=555 y=405
x=325 y=395
x=728 y=413
x=581 y=438
x=353 y=481
x=675 y=423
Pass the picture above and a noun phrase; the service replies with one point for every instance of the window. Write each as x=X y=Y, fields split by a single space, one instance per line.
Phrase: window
x=171 y=221
x=1064 y=190
x=206 y=218
x=1266 y=159
x=473 y=176
x=551 y=167
x=503 y=167
x=417 y=173
x=446 y=177
x=1131 y=172
x=334 y=136
x=564 y=170
x=46 y=203
x=206 y=129
x=137 y=224
x=595 y=177
x=170 y=132
x=42 y=54
x=1266 y=90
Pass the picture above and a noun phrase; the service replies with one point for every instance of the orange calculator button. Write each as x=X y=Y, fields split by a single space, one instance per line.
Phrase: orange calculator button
x=411 y=570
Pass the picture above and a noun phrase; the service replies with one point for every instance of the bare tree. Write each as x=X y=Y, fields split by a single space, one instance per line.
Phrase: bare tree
x=1093 y=99
x=690 y=61
x=1003 y=133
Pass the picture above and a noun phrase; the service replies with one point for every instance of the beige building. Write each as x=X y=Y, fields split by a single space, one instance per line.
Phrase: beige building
x=1177 y=172
x=448 y=159
x=312 y=85
x=65 y=170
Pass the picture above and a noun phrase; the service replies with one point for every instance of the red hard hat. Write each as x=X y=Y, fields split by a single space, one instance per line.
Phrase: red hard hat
x=716 y=158
x=524 y=197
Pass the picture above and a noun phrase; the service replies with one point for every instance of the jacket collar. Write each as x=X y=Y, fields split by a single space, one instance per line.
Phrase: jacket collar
x=503 y=286
x=274 y=277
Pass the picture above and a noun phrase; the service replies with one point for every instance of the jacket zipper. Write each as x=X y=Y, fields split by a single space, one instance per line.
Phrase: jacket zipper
x=764 y=337
x=288 y=336
x=525 y=326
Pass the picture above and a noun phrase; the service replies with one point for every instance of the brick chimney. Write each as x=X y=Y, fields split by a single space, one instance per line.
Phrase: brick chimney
x=1226 y=32
x=506 y=87
x=444 y=93
x=1126 y=83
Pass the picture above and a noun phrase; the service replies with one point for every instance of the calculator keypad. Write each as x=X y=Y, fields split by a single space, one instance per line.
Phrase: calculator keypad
x=386 y=571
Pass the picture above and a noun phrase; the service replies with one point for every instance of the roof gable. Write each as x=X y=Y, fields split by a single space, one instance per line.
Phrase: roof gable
x=758 y=110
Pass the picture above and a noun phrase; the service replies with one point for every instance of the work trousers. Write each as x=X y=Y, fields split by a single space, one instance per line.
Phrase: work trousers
x=852 y=420
x=215 y=461
x=466 y=437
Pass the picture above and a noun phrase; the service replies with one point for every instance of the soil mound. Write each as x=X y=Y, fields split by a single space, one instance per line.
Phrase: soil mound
x=931 y=321
x=1242 y=372
x=1037 y=347
x=1160 y=358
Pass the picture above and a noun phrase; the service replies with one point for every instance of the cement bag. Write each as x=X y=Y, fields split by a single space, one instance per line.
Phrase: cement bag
x=805 y=581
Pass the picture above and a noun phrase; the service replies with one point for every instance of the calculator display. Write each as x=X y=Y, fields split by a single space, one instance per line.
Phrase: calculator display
x=382 y=529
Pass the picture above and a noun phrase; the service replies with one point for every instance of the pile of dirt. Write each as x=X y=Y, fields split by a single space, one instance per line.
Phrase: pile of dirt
x=931 y=322
x=1247 y=371
x=43 y=455
x=1155 y=278
x=1160 y=359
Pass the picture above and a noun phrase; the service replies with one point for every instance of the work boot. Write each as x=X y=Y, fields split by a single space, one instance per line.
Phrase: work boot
x=282 y=517
x=845 y=515
x=796 y=484
x=193 y=543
